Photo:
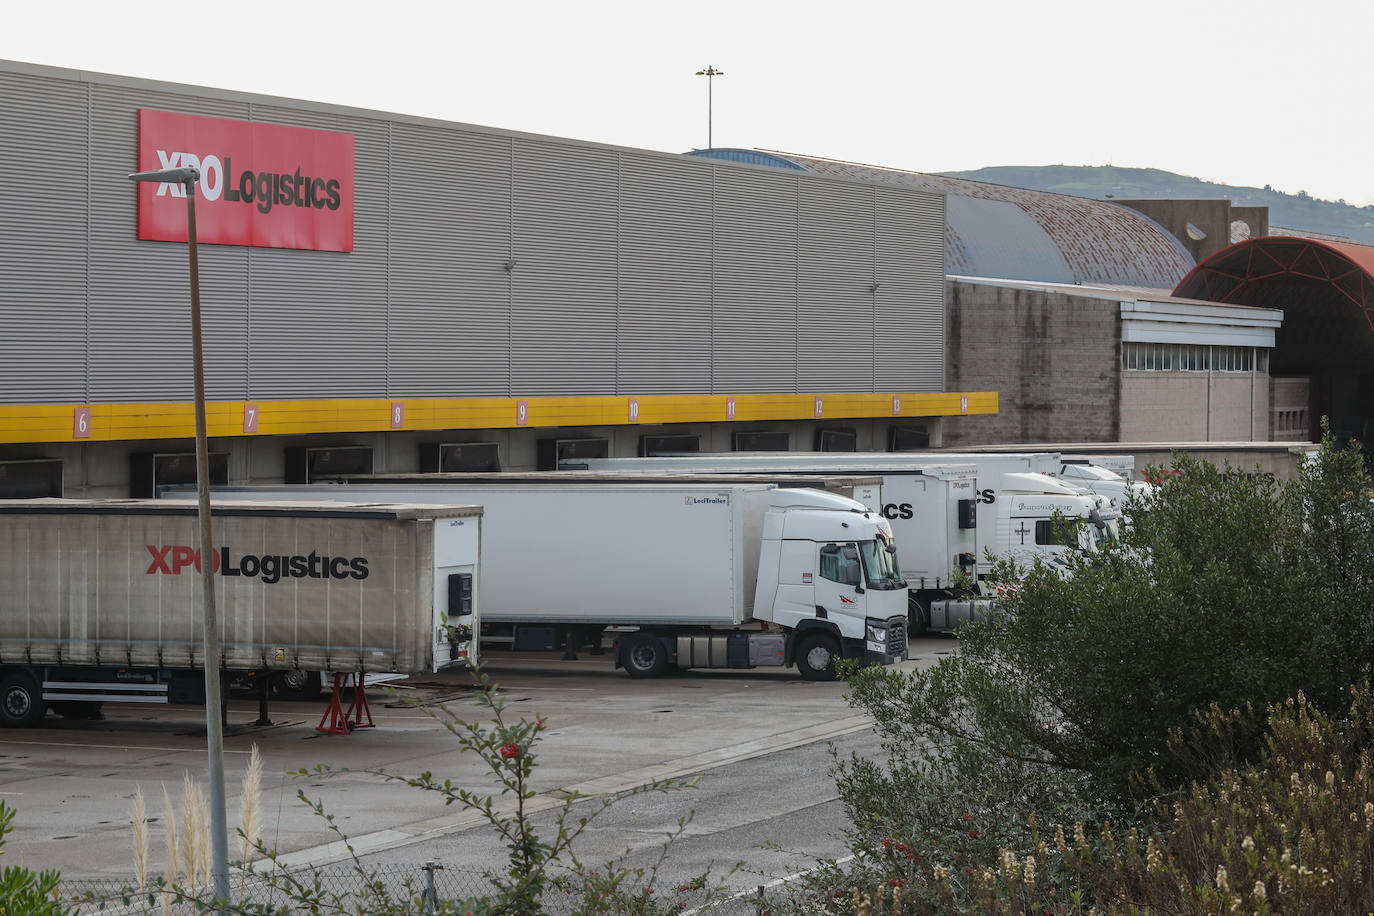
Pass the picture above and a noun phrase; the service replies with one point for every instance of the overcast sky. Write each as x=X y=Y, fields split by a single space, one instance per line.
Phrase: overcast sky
x=1247 y=93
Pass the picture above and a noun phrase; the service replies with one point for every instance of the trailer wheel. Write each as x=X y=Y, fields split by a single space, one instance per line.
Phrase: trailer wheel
x=917 y=615
x=21 y=702
x=645 y=656
x=299 y=685
x=816 y=655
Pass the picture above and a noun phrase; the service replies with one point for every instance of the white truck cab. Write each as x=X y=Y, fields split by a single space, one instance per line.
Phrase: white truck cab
x=1104 y=482
x=1027 y=528
x=827 y=563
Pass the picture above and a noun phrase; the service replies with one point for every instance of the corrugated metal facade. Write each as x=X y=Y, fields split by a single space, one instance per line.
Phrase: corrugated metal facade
x=485 y=263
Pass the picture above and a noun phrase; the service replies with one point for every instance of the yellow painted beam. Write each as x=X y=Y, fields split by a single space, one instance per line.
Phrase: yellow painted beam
x=176 y=420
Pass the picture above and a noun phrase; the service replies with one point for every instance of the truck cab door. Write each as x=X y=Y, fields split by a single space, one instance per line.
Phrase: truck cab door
x=1050 y=540
x=455 y=626
x=839 y=586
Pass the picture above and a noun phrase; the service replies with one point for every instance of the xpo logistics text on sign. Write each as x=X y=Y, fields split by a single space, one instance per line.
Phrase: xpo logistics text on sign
x=264 y=185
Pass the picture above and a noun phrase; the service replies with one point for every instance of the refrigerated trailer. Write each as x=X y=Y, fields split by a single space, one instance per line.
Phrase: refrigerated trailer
x=867 y=489
x=101 y=600
x=687 y=575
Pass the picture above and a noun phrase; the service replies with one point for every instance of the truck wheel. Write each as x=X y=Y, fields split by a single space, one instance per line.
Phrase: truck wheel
x=21 y=702
x=645 y=656
x=816 y=657
x=917 y=616
x=299 y=685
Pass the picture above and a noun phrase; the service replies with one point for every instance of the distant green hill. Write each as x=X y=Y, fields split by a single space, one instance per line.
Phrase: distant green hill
x=1294 y=211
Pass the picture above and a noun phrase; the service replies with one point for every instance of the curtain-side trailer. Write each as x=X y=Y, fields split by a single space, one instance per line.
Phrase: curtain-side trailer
x=101 y=600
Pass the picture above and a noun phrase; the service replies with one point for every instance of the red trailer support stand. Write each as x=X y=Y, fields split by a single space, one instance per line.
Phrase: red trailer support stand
x=358 y=707
x=333 y=713
x=340 y=722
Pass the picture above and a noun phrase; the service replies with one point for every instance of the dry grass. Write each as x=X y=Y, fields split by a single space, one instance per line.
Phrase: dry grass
x=140 y=819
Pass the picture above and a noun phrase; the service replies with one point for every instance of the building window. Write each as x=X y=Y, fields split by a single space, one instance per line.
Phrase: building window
x=1156 y=357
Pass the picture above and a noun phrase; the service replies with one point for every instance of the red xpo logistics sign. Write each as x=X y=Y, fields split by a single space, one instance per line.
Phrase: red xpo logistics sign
x=260 y=184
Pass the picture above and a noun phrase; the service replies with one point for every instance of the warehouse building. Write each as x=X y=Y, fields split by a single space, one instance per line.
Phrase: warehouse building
x=392 y=293
x=1066 y=306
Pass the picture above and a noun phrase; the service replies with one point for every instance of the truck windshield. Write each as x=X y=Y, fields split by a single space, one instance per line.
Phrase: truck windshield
x=880 y=565
x=1109 y=532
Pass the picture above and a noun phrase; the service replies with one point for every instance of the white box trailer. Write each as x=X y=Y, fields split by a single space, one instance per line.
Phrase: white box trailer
x=728 y=575
x=1118 y=464
x=1091 y=475
x=101 y=599
x=932 y=509
x=867 y=489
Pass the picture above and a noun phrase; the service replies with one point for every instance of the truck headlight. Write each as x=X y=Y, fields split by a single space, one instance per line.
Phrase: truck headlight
x=877 y=634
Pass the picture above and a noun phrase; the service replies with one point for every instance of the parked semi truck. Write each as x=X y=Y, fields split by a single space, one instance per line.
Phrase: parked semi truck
x=100 y=600
x=688 y=575
x=1012 y=510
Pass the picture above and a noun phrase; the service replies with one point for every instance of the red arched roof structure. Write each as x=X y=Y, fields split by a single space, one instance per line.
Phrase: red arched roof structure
x=1325 y=289
x=1246 y=272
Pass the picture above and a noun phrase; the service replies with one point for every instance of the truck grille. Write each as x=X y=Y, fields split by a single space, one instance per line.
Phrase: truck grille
x=896 y=639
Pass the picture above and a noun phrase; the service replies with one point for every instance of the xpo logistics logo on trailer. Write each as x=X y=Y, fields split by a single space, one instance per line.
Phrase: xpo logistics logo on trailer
x=263 y=185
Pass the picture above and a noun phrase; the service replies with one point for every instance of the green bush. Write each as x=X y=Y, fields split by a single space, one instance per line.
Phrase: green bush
x=24 y=892
x=1077 y=703
x=1291 y=834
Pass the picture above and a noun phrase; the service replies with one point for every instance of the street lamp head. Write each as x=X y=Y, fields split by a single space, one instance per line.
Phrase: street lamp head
x=710 y=71
x=187 y=176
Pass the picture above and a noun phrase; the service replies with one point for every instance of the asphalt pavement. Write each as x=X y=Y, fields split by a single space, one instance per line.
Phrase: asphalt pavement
x=72 y=781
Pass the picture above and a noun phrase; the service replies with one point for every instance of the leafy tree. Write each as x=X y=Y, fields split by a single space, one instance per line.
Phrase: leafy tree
x=1291 y=833
x=1077 y=701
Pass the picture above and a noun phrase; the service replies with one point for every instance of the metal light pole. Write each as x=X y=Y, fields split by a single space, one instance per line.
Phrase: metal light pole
x=219 y=839
x=710 y=73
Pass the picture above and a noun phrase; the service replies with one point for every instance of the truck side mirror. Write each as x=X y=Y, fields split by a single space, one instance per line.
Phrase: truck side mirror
x=853 y=576
x=968 y=514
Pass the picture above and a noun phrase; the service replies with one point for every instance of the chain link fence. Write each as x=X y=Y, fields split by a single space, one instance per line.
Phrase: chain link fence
x=338 y=891
x=417 y=889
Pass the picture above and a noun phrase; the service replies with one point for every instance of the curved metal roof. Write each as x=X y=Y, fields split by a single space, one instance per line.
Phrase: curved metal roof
x=1056 y=238
x=749 y=156
x=1326 y=289
x=1100 y=242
